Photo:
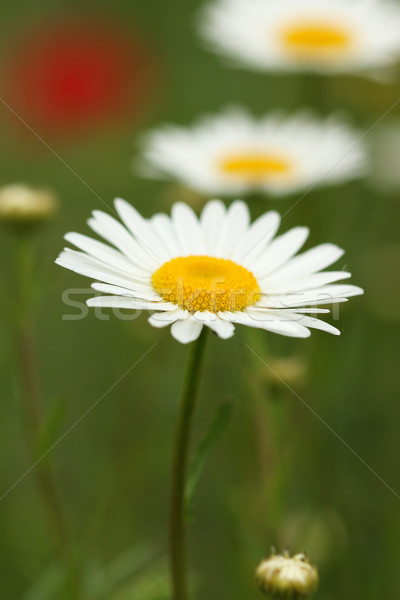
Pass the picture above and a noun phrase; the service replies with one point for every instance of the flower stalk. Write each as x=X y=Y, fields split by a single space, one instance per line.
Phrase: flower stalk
x=177 y=534
x=32 y=411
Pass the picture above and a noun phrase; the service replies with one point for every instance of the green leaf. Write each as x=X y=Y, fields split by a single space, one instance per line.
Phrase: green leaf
x=217 y=427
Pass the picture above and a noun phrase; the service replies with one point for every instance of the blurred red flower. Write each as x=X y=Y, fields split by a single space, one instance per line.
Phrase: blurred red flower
x=77 y=75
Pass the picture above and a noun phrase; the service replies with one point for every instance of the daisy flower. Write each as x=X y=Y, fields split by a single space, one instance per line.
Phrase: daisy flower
x=326 y=36
x=215 y=271
x=234 y=153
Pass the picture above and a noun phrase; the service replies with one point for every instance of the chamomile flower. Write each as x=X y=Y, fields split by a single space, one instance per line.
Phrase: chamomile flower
x=215 y=271
x=326 y=36
x=234 y=153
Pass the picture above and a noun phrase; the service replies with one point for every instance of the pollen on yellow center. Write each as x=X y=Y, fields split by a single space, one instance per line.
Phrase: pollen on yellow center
x=316 y=40
x=255 y=166
x=199 y=283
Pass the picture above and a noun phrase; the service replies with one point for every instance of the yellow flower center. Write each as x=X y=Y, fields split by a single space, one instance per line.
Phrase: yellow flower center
x=255 y=167
x=199 y=283
x=316 y=40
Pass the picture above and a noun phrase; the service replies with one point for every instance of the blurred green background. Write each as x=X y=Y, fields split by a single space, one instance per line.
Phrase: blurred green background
x=279 y=475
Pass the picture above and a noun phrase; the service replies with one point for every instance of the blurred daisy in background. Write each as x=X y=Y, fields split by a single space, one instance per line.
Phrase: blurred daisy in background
x=235 y=153
x=211 y=271
x=325 y=36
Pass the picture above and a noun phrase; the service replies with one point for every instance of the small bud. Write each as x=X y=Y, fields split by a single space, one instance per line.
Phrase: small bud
x=287 y=578
x=21 y=205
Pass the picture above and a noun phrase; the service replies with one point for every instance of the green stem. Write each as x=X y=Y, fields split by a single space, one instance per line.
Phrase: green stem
x=31 y=407
x=177 y=541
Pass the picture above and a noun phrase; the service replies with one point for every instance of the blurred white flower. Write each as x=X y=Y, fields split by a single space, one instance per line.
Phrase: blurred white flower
x=234 y=153
x=325 y=36
x=211 y=271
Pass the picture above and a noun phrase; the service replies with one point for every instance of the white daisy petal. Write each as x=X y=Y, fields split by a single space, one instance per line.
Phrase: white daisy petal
x=105 y=253
x=140 y=228
x=324 y=36
x=307 y=263
x=235 y=225
x=186 y=331
x=312 y=281
x=187 y=229
x=310 y=310
x=267 y=321
x=115 y=233
x=329 y=294
x=306 y=321
x=318 y=324
x=164 y=319
x=224 y=329
x=280 y=251
x=216 y=271
x=257 y=238
x=165 y=230
x=212 y=220
x=142 y=292
x=129 y=303
x=91 y=267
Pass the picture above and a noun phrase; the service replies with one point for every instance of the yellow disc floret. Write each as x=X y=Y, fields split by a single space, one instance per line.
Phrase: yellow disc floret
x=316 y=40
x=255 y=166
x=199 y=283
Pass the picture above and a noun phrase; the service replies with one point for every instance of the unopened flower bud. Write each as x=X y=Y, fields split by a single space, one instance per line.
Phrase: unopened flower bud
x=287 y=578
x=21 y=205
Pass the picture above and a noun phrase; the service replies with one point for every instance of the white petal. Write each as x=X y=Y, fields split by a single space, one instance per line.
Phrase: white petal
x=212 y=220
x=280 y=251
x=187 y=229
x=305 y=320
x=133 y=303
x=166 y=232
x=329 y=294
x=318 y=324
x=308 y=283
x=115 y=233
x=309 y=262
x=268 y=322
x=140 y=228
x=258 y=236
x=104 y=253
x=224 y=329
x=142 y=293
x=86 y=265
x=235 y=225
x=312 y=310
x=163 y=319
x=186 y=331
